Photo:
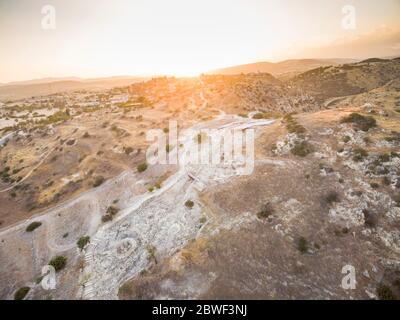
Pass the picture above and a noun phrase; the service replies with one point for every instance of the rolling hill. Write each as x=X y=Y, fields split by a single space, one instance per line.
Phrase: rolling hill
x=26 y=89
x=281 y=69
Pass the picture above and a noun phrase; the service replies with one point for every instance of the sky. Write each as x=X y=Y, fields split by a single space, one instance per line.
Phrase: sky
x=96 y=38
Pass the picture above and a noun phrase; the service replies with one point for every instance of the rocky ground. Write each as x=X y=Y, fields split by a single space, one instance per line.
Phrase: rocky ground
x=324 y=194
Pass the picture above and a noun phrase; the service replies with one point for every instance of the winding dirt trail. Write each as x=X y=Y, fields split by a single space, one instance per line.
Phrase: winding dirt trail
x=159 y=223
x=150 y=226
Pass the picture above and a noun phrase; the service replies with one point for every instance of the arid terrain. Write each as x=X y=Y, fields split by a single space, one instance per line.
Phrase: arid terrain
x=77 y=191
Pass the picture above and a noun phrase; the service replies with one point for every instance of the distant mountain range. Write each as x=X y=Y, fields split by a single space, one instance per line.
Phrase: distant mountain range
x=46 y=86
x=281 y=69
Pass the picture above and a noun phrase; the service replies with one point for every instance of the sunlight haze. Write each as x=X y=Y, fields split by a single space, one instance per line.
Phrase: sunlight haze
x=184 y=38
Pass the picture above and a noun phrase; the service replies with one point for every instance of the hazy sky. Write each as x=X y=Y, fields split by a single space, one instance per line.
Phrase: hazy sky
x=96 y=38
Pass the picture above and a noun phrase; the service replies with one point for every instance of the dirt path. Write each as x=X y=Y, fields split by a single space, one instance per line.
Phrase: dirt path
x=158 y=224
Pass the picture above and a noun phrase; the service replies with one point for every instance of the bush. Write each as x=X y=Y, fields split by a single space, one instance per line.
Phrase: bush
x=98 y=181
x=82 y=242
x=302 y=149
x=359 y=154
x=370 y=219
x=302 y=245
x=363 y=123
x=396 y=198
x=259 y=115
x=142 y=167
x=58 y=262
x=199 y=138
x=346 y=139
x=374 y=185
x=189 y=204
x=21 y=293
x=34 y=225
x=128 y=150
x=86 y=135
x=386 y=181
x=385 y=293
x=332 y=197
x=106 y=218
x=265 y=211
x=384 y=157
x=292 y=126
x=112 y=210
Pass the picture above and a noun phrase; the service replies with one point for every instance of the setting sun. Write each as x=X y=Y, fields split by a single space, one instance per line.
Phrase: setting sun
x=100 y=38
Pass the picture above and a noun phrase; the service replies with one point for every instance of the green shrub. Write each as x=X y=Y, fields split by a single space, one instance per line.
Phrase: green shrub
x=199 y=138
x=142 y=167
x=98 y=181
x=302 y=245
x=106 y=218
x=396 y=199
x=258 y=116
x=370 y=219
x=385 y=293
x=58 y=263
x=332 y=197
x=265 y=211
x=34 y=225
x=21 y=293
x=292 y=126
x=128 y=150
x=302 y=149
x=384 y=157
x=346 y=139
x=386 y=181
x=363 y=123
x=82 y=242
x=359 y=154
x=374 y=185
x=189 y=204
x=151 y=254
x=112 y=210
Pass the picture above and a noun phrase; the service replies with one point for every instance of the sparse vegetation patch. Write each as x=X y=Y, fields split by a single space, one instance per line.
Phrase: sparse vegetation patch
x=34 y=225
x=58 y=262
x=363 y=123
x=82 y=242
x=21 y=293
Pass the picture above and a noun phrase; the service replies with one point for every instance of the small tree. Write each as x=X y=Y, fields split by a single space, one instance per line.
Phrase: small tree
x=302 y=245
x=98 y=181
x=58 y=262
x=21 y=293
x=82 y=242
x=142 y=167
x=189 y=204
x=34 y=225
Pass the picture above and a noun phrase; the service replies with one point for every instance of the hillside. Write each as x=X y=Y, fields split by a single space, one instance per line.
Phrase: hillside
x=46 y=86
x=349 y=79
x=281 y=69
x=76 y=185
